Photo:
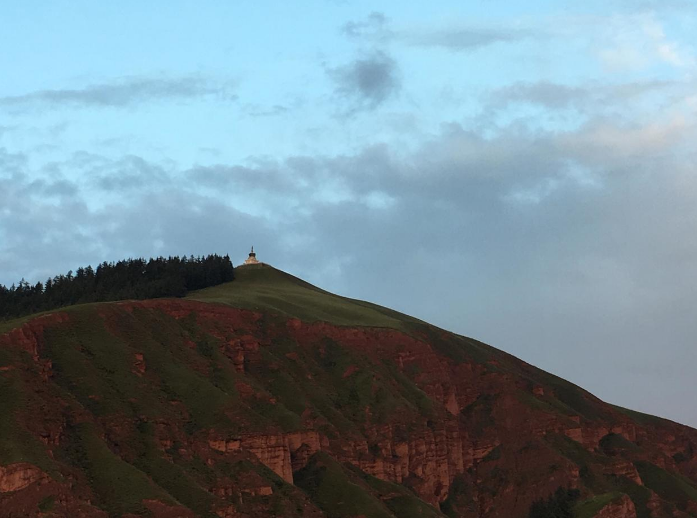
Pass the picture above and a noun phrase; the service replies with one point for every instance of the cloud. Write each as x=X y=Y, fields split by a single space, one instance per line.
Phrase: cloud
x=264 y=176
x=652 y=6
x=13 y=166
x=118 y=94
x=129 y=173
x=53 y=221
x=545 y=93
x=637 y=42
x=375 y=29
x=7 y=129
x=590 y=98
x=372 y=27
x=273 y=111
x=463 y=39
x=367 y=82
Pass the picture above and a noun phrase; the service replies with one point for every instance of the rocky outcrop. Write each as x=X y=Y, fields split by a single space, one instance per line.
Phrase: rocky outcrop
x=624 y=468
x=139 y=364
x=282 y=453
x=30 y=336
x=16 y=477
x=622 y=507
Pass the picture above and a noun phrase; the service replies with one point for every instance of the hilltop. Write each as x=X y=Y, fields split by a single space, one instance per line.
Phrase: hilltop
x=267 y=396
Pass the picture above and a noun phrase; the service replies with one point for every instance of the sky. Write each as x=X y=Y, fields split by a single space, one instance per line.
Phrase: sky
x=520 y=172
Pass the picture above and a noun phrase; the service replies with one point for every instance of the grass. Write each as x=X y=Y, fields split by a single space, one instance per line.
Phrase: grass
x=640 y=417
x=280 y=295
x=480 y=412
x=398 y=499
x=409 y=391
x=47 y=504
x=177 y=482
x=196 y=387
x=590 y=507
x=380 y=387
x=264 y=288
x=121 y=487
x=6 y=357
x=94 y=366
x=670 y=486
x=613 y=442
x=571 y=398
x=590 y=464
x=16 y=443
x=336 y=492
x=461 y=498
x=640 y=495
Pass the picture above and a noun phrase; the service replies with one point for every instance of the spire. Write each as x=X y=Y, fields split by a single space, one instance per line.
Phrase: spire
x=252 y=259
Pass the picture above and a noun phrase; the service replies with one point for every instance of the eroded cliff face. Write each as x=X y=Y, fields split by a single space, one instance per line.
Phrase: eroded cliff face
x=211 y=409
x=621 y=508
x=16 y=477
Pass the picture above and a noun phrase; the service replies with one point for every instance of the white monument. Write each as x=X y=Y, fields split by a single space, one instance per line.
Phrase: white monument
x=252 y=259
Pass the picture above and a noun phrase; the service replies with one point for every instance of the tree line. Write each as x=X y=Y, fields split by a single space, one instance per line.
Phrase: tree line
x=126 y=279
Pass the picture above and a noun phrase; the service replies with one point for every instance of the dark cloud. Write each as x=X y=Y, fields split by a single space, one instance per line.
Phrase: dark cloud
x=273 y=111
x=464 y=39
x=373 y=27
x=545 y=93
x=129 y=173
x=367 y=82
x=46 y=189
x=221 y=176
x=12 y=164
x=118 y=94
x=594 y=97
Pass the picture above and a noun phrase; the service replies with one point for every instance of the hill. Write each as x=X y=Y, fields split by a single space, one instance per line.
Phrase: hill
x=267 y=396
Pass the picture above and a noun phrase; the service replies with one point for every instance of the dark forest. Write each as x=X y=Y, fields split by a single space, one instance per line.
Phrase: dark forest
x=126 y=279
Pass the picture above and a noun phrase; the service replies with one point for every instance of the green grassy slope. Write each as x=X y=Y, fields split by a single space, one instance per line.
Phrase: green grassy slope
x=343 y=491
x=264 y=288
x=192 y=384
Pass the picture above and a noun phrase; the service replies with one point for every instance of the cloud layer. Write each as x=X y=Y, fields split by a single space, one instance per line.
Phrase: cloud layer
x=117 y=94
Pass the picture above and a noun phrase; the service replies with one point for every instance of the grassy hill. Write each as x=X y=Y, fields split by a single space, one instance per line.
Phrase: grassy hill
x=264 y=288
x=191 y=407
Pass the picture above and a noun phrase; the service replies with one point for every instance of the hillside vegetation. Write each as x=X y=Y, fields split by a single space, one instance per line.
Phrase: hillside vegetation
x=264 y=288
x=267 y=396
x=127 y=279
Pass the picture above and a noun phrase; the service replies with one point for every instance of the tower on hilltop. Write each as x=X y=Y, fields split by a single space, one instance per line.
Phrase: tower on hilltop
x=252 y=259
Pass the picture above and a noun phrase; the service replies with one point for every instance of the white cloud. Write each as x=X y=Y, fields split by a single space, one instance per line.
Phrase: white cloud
x=636 y=42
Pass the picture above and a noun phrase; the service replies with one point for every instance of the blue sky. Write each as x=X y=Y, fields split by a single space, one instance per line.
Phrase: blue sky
x=521 y=173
